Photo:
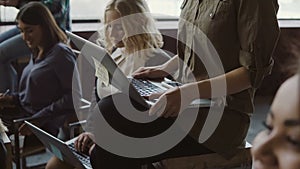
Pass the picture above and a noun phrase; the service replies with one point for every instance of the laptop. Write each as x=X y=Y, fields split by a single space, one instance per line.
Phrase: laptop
x=136 y=88
x=65 y=151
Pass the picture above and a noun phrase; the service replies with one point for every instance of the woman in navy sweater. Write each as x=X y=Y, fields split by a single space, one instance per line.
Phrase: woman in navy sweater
x=45 y=88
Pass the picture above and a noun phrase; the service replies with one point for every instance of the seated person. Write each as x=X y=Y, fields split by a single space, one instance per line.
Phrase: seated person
x=133 y=41
x=278 y=145
x=12 y=39
x=226 y=66
x=45 y=89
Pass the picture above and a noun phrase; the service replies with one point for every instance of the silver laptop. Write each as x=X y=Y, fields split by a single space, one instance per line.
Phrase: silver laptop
x=65 y=151
x=136 y=88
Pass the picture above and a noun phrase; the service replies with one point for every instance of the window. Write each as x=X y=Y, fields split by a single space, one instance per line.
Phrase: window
x=96 y=9
x=7 y=14
x=93 y=9
x=289 y=9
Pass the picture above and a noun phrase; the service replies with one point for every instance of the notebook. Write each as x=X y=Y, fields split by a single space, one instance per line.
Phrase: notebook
x=65 y=151
x=136 y=88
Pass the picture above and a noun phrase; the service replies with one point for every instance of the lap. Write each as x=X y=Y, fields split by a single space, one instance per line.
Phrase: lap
x=110 y=109
x=115 y=112
x=232 y=126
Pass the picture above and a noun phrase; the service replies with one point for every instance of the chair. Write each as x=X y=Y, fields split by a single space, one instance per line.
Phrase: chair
x=29 y=149
x=7 y=145
x=19 y=157
x=32 y=145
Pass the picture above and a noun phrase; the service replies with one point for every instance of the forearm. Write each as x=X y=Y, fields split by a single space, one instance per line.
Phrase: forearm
x=60 y=107
x=232 y=82
x=171 y=66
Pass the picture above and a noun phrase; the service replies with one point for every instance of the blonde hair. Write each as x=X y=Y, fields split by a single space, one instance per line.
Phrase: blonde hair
x=138 y=26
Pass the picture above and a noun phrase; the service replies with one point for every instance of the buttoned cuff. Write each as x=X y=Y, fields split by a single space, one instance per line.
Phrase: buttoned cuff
x=257 y=70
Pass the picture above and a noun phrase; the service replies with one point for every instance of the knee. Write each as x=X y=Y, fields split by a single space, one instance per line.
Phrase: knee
x=119 y=102
x=55 y=163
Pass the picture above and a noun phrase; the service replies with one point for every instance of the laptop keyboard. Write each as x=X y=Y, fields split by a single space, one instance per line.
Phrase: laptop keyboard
x=145 y=87
x=82 y=157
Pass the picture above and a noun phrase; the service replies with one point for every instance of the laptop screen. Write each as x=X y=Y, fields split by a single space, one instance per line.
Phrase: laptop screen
x=59 y=148
x=115 y=76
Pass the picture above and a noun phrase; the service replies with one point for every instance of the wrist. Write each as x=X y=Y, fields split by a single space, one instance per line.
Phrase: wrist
x=189 y=92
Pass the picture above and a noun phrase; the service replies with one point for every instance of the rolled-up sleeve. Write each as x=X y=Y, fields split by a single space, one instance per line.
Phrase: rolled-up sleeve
x=258 y=34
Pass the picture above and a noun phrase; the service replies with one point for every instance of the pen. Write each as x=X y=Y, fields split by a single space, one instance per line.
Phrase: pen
x=6 y=92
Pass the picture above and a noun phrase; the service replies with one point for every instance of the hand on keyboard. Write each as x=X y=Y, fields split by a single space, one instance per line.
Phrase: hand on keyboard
x=168 y=104
x=150 y=73
x=84 y=142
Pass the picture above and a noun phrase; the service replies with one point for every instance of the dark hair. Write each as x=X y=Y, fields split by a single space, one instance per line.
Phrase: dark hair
x=36 y=13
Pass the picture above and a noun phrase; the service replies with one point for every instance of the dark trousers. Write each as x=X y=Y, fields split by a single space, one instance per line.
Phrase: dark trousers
x=103 y=159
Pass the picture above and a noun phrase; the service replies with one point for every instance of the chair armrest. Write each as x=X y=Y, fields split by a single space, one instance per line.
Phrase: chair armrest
x=19 y=121
x=77 y=52
x=75 y=125
x=85 y=104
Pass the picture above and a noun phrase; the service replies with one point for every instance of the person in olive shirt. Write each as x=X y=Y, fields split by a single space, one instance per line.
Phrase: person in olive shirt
x=224 y=52
x=244 y=34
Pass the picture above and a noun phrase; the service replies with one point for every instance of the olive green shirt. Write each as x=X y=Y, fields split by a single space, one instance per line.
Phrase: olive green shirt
x=238 y=33
x=242 y=32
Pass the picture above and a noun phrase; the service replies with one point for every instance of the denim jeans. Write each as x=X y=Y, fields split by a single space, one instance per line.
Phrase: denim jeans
x=12 y=46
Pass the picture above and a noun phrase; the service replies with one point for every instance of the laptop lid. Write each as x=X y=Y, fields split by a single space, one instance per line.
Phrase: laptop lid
x=116 y=77
x=59 y=148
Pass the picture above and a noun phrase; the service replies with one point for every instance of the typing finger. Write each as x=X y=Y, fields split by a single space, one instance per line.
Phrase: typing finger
x=85 y=143
x=78 y=143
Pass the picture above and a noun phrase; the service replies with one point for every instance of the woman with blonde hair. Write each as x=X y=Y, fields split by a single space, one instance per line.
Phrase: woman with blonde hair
x=133 y=41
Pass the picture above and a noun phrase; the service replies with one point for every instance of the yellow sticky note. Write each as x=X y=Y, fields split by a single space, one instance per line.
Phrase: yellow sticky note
x=101 y=72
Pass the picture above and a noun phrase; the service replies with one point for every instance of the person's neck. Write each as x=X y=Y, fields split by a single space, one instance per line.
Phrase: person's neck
x=40 y=53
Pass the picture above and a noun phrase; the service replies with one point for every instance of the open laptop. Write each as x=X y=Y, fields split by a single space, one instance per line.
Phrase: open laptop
x=135 y=87
x=65 y=151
